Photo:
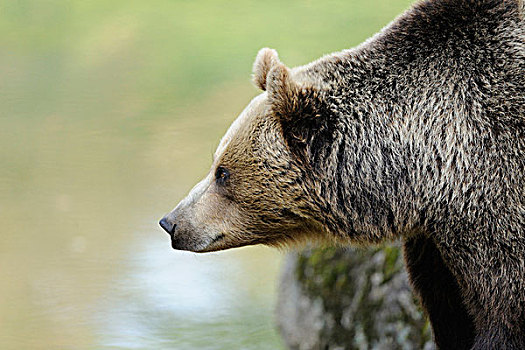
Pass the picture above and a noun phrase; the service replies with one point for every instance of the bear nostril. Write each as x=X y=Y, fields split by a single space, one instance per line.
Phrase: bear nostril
x=168 y=226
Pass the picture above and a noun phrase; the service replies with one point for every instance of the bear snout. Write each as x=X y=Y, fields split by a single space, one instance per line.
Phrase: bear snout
x=167 y=225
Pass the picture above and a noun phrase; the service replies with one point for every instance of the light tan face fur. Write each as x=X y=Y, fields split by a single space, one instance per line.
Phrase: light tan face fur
x=258 y=200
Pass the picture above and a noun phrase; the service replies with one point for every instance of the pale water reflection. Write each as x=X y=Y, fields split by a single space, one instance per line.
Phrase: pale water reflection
x=146 y=297
x=187 y=301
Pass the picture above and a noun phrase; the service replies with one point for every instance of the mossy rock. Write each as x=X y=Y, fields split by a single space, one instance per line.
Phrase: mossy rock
x=335 y=298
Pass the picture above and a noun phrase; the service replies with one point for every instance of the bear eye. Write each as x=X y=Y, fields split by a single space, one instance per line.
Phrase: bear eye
x=221 y=175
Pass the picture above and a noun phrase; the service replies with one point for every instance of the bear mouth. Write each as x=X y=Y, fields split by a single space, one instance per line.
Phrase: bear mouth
x=211 y=245
x=194 y=246
x=219 y=237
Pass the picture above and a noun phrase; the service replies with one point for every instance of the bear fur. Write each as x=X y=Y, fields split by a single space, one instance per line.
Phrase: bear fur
x=418 y=134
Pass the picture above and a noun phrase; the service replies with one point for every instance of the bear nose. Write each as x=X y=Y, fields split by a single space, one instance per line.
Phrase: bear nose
x=167 y=225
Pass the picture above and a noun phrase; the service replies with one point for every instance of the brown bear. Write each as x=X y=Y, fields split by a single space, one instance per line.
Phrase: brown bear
x=418 y=134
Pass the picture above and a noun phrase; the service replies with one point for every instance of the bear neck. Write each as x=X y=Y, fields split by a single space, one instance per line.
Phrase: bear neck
x=409 y=122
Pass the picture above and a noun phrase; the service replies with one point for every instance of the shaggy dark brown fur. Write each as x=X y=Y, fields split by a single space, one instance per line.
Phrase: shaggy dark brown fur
x=417 y=134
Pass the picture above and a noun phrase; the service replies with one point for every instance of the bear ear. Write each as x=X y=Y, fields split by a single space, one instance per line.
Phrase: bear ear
x=291 y=100
x=288 y=99
x=265 y=60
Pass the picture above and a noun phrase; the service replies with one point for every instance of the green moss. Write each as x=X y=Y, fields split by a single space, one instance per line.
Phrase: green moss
x=392 y=265
x=322 y=271
x=346 y=280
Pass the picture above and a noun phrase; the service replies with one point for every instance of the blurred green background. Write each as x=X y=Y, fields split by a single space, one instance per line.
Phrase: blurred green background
x=109 y=113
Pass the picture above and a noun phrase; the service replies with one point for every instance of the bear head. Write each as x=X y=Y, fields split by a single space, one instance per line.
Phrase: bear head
x=255 y=191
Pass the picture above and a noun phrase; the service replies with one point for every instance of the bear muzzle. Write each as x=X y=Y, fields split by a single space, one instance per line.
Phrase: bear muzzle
x=167 y=225
x=177 y=242
x=186 y=237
